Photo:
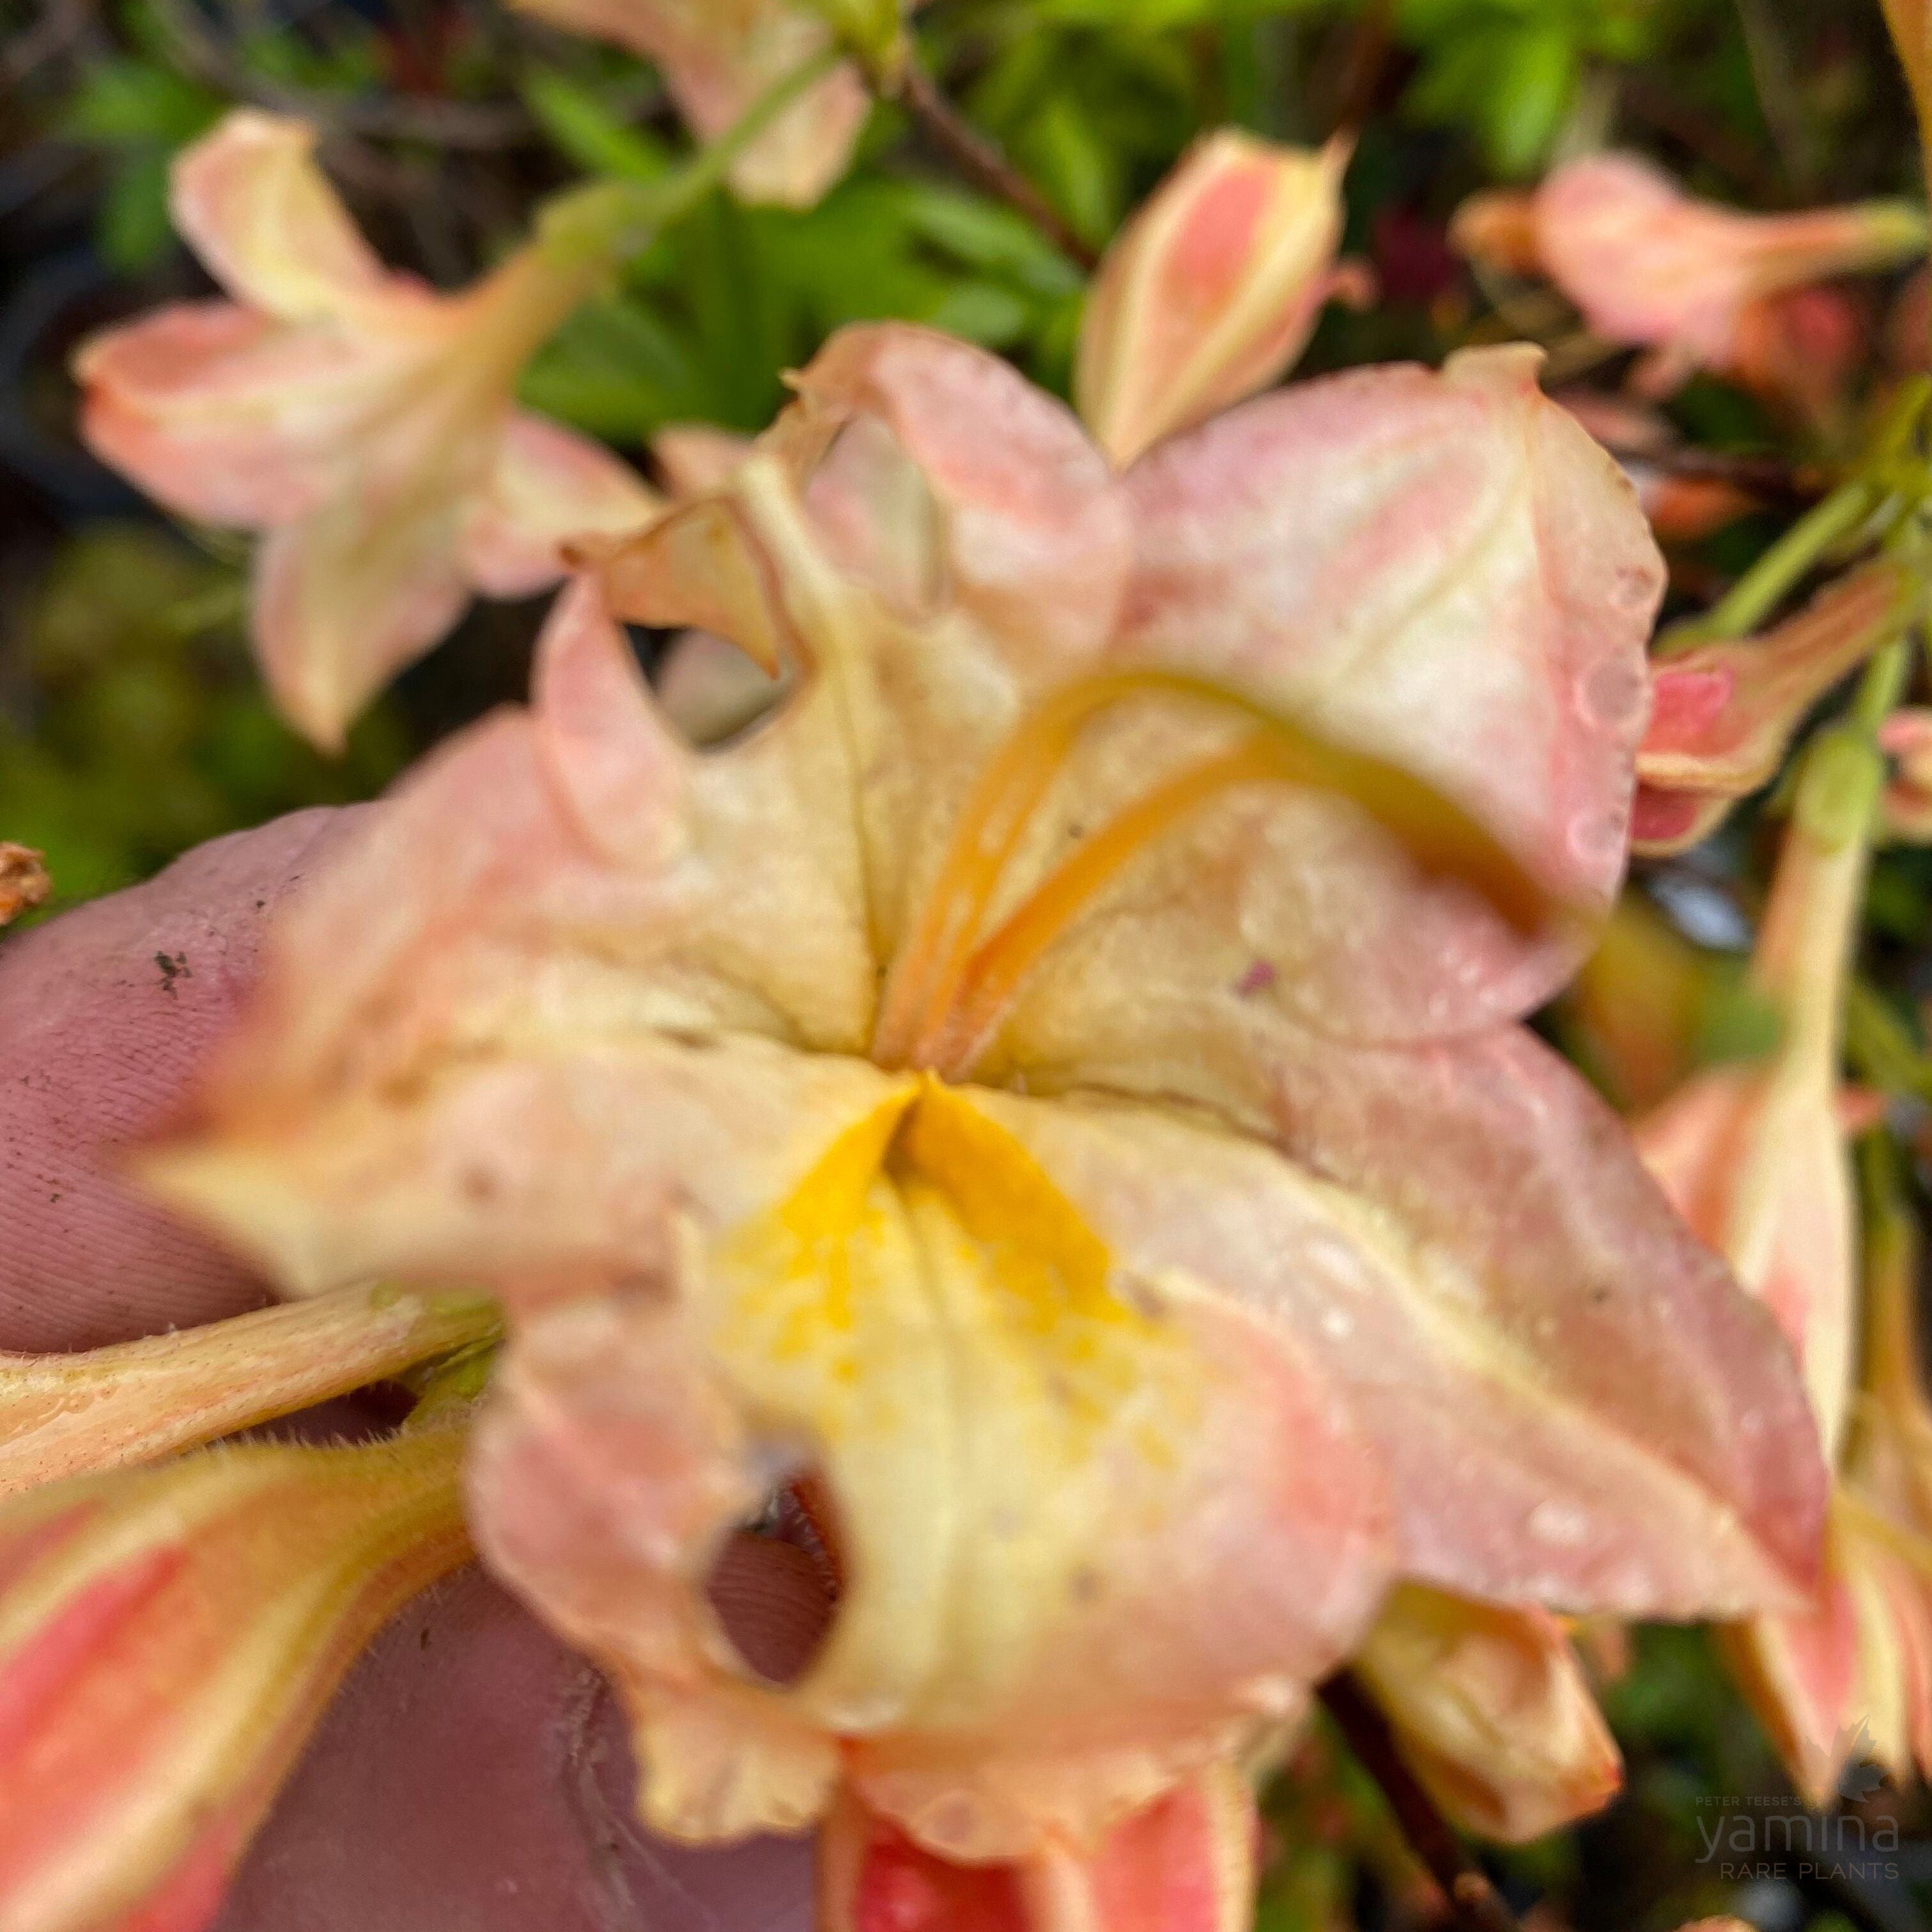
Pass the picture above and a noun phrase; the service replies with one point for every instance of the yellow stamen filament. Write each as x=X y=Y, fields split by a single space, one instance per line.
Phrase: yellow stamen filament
x=947 y=992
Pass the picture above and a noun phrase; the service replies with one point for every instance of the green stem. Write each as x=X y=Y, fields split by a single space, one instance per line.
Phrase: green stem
x=1882 y=687
x=1771 y=579
x=607 y=222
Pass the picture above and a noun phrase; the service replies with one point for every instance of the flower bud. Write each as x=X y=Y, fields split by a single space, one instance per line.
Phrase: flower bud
x=1211 y=291
x=168 y=1639
x=1492 y=1711
x=1722 y=714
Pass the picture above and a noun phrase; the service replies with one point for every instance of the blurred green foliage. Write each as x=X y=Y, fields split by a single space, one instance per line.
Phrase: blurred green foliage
x=151 y=730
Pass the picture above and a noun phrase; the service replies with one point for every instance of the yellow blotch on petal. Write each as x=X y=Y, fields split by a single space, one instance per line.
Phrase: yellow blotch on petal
x=928 y=1186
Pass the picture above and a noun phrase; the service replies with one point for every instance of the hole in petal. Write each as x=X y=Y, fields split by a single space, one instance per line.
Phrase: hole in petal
x=712 y=692
x=775 y=1587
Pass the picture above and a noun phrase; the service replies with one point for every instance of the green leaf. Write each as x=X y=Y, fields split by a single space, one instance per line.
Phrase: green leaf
x=133 y=230
x=124 y=101
x=1528 y=96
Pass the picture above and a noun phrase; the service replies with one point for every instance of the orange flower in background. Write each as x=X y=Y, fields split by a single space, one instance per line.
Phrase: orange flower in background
x=1212 y=290
x=1688 y=280
x=1723 y=714
x=364 y=422
x=718 y=57
x=1056 y=1085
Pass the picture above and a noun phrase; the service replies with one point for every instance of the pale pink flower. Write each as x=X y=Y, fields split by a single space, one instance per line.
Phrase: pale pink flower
x=1056 y=1085
x=719 y=58
x=1212 y=290
x=1688 y=280
x=367 y=423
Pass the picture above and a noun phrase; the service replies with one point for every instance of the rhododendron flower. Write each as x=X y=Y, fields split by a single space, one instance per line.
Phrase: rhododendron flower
x=1490 y=1708
x=719 y=57
x=1054 y=1087
x=1649 y=265
x=24 y=883
x=1723 y=714
x=363 y=420
x=1212 y=290
x=1906 y=737
x=1755 y=1158
x=167 y=1640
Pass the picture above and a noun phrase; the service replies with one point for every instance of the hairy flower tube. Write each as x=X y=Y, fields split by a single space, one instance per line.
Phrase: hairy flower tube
x=1054 y=1085
x=362 y=420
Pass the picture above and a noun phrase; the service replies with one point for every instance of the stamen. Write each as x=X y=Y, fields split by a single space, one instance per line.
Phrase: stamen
x=995 y=971
x=947 y=993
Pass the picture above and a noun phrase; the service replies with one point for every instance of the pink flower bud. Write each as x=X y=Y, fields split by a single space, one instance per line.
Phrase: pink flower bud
x=1722 y=715
x=1211 y=291
x=167 y=1641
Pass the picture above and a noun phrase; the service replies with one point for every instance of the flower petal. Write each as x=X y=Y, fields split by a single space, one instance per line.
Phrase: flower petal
x=1576 y=1405
x=1443 y=570
x=546 y=486
x=167 y=1641
x=1648 y=264
x=24 y=883
x=1185 y=1864
x=1492 y=1710
x=227 y=416
x=904 y=426
x=347 y=596
x=1041 y=1482
x=250 y=200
